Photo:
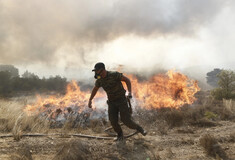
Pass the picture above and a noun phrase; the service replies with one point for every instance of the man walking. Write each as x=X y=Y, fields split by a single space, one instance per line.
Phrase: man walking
x=117 y=102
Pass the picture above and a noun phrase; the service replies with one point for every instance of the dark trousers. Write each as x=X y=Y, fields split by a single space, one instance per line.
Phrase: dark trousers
x=120 y=106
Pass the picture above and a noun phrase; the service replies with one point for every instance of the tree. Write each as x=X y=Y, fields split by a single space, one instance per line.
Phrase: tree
x=28 y=74
x=226 y=85
x=14 y=72
x=29 y=82
x=56 y=83
x=5 y=83
x=212 y=78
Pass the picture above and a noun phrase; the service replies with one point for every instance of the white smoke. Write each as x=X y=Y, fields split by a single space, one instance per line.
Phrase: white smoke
x=65 y=33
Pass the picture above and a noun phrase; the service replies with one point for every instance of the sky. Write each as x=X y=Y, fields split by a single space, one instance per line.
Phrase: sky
x=58 y=37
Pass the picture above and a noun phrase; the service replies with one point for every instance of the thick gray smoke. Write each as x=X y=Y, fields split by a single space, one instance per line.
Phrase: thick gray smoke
x=66 y=32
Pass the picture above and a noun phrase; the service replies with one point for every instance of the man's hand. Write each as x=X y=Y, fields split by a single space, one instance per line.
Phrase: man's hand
x=93 y=93
x=128 y=84
x=129 y=95
x=90 y=103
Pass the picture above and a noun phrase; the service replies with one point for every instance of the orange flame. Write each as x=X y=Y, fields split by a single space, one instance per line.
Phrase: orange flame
x=74 y=97
x=163 y=90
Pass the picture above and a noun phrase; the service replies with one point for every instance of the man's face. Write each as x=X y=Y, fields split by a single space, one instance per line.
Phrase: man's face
x=98 y=73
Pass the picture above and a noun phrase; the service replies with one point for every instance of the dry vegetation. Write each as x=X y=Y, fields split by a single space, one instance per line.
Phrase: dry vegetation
x=205 y=130
x=13 y=119
x=212 y=148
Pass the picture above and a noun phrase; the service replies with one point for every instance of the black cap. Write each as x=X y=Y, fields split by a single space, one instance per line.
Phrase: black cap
x=99 y=66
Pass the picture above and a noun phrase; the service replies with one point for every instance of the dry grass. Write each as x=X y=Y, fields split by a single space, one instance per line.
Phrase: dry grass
x=232 y=137
x=162 y=128
x=14 y=119
x=22 y=154
x=203 y=122
x=211 y=146
x=97 y=125
x=174 y=118
x=229 y=105
x=75 y=150
x=207 y=113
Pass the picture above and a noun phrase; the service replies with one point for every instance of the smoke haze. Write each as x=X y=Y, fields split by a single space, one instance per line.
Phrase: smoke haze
x=68 y=37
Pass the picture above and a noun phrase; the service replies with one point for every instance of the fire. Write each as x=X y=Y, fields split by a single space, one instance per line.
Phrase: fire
x=163 y=90
x=172 y=89
x=74 y=98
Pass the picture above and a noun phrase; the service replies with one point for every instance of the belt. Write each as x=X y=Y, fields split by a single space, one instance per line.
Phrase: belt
x=117 y=99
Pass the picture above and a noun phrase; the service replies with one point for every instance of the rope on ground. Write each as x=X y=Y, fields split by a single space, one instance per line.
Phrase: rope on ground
x=74 y=135
x=98 y=137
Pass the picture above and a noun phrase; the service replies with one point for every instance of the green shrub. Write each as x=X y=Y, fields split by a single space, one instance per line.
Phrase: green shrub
x=210 y=115
x=226 y=85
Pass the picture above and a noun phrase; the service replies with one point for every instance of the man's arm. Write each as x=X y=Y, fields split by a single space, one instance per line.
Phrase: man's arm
x=128 y=84
x=93 y=93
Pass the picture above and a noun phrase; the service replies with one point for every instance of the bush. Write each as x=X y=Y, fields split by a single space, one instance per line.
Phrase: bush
x=226 y=85
x=210 y=115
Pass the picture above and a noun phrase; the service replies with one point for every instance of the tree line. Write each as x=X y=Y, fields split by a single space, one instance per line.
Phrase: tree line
x=11 y=83
x=29 y=82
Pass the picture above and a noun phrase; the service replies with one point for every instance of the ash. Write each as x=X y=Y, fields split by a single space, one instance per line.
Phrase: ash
x=73 y=115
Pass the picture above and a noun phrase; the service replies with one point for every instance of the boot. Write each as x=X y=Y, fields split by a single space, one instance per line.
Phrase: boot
x=119 y=137
x=142 y=131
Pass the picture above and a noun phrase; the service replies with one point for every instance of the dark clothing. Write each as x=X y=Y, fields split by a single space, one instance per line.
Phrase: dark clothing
x=121 y=106
x=117 y=101
x=112 y=85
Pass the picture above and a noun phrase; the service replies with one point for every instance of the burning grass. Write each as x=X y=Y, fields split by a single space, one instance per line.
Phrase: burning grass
x=172 y=90
x=68 y=111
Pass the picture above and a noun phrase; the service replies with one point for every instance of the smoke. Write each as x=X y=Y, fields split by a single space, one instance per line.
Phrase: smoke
x=66 y=33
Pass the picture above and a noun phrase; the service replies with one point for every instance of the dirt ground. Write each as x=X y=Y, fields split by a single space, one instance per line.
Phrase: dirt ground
x=179 y=143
